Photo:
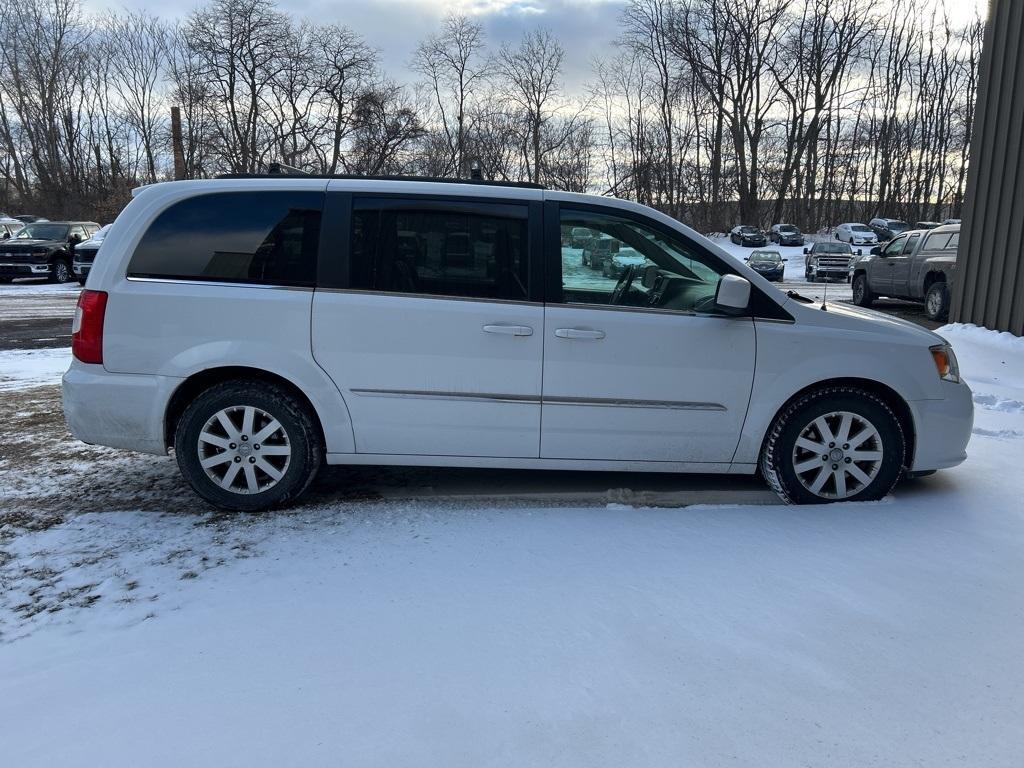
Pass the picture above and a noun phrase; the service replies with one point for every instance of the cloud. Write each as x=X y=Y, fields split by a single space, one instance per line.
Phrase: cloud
x=585 y=28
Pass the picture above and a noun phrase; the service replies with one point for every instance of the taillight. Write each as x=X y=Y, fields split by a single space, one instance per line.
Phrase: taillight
x=87 y=329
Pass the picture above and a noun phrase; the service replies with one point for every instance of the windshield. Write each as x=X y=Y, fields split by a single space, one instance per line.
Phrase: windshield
x=749 y=230
x=860 y=227
x=773 y=256
x=898 y=226
x=44 y=232
x=787 y=228
x=832 y=248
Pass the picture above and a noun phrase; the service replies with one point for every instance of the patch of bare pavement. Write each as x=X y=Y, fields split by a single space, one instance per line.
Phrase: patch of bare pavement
x=36 y=315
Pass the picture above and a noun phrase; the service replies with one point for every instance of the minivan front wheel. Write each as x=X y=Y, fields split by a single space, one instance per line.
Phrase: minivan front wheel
x=247 y=446
x=834 y=444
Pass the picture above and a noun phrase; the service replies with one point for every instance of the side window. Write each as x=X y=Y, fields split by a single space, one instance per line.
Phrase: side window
x=954 y=242
x=895 y=248
x=244 y=237
x=475 y=251
x=936 y=242
x=628 y=263
x=78 y=230
x=911 y=244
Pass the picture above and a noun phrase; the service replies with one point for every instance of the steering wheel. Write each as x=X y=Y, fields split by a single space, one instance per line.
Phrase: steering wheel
x=624 y=284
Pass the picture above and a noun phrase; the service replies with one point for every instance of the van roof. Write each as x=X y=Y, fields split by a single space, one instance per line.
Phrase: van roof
x=354 y=176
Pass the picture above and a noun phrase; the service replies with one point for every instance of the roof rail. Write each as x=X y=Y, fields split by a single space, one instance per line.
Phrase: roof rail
x=437 y=179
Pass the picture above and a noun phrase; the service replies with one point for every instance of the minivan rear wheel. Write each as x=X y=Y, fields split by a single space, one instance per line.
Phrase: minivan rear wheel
x=834 y=444
x=247 y=446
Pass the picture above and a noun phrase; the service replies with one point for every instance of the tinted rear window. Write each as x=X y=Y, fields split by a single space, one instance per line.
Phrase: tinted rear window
x=479 y=251
x=244 y=237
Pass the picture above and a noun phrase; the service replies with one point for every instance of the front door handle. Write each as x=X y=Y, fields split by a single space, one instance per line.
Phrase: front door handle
x=509 y=330
x=578 y=333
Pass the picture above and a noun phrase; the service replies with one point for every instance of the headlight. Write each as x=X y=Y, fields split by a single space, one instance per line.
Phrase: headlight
x=945 y=362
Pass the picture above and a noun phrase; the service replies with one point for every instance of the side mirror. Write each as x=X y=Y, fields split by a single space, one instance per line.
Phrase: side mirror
x=876 y=251
x=733 y=295
x=7 y=235
x=746 y=258
x=785 y=259
x=860 y=252
x=75 y=239
x=806 y=251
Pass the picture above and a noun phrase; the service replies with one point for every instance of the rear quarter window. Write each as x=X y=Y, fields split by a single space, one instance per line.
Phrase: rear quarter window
x=245 y=237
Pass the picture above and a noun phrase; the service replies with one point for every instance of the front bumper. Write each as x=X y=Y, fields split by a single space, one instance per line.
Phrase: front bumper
x=117 y=409
x=943 y=428
x=15 y=269
x=81 y=270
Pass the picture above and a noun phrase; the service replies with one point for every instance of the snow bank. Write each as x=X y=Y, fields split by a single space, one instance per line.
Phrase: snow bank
x=978 y=335
x=22 y=369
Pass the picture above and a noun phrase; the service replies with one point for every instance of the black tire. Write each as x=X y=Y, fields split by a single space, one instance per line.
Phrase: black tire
x=60 y=271
x=936 y=302
x=5 y=280
x=863 y=296
x=777 y=456
x=303 y=439
x=81 y=281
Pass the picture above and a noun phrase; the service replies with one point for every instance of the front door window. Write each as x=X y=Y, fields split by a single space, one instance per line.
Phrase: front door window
x=625 y=263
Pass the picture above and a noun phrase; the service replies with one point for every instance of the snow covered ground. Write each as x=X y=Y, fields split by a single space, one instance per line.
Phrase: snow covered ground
x=22 y=369
x=152 y=631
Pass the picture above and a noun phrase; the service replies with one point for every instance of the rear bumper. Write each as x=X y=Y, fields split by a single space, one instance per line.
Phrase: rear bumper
x=116 y=409
x=943 y=428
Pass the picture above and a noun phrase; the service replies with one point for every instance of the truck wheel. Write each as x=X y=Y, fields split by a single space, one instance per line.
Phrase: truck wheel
x=936 y=302
x=60 y=271
x=834 y=444
x=862 y=294
x=247 y=446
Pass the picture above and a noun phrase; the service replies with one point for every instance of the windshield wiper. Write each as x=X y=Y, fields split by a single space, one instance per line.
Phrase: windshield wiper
x=799 y=297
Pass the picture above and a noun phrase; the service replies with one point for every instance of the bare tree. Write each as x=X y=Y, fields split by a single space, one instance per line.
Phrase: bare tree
x=532 y=73
x=454 y=66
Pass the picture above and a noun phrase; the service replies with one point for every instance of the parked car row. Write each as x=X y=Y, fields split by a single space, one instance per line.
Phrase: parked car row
x=44 y=249
x=878 y=230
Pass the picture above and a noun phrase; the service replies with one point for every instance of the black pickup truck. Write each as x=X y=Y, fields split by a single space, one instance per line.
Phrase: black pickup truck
x=43 y=249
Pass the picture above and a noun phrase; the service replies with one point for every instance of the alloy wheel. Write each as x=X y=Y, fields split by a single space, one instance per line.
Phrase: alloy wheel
x=244 y=449
x=837 y=455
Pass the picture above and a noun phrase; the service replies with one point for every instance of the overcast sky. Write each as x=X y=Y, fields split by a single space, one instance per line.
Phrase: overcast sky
x=586 y=28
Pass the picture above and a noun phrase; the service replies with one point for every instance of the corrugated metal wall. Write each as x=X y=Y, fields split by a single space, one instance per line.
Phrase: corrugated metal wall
x=989 y=288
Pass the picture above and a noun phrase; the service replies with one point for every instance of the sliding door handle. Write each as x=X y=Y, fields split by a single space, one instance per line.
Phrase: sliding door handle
x=578 y=333
x=509 y=330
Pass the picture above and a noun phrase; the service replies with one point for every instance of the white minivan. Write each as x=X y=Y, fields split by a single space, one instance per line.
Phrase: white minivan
x=261 y=326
